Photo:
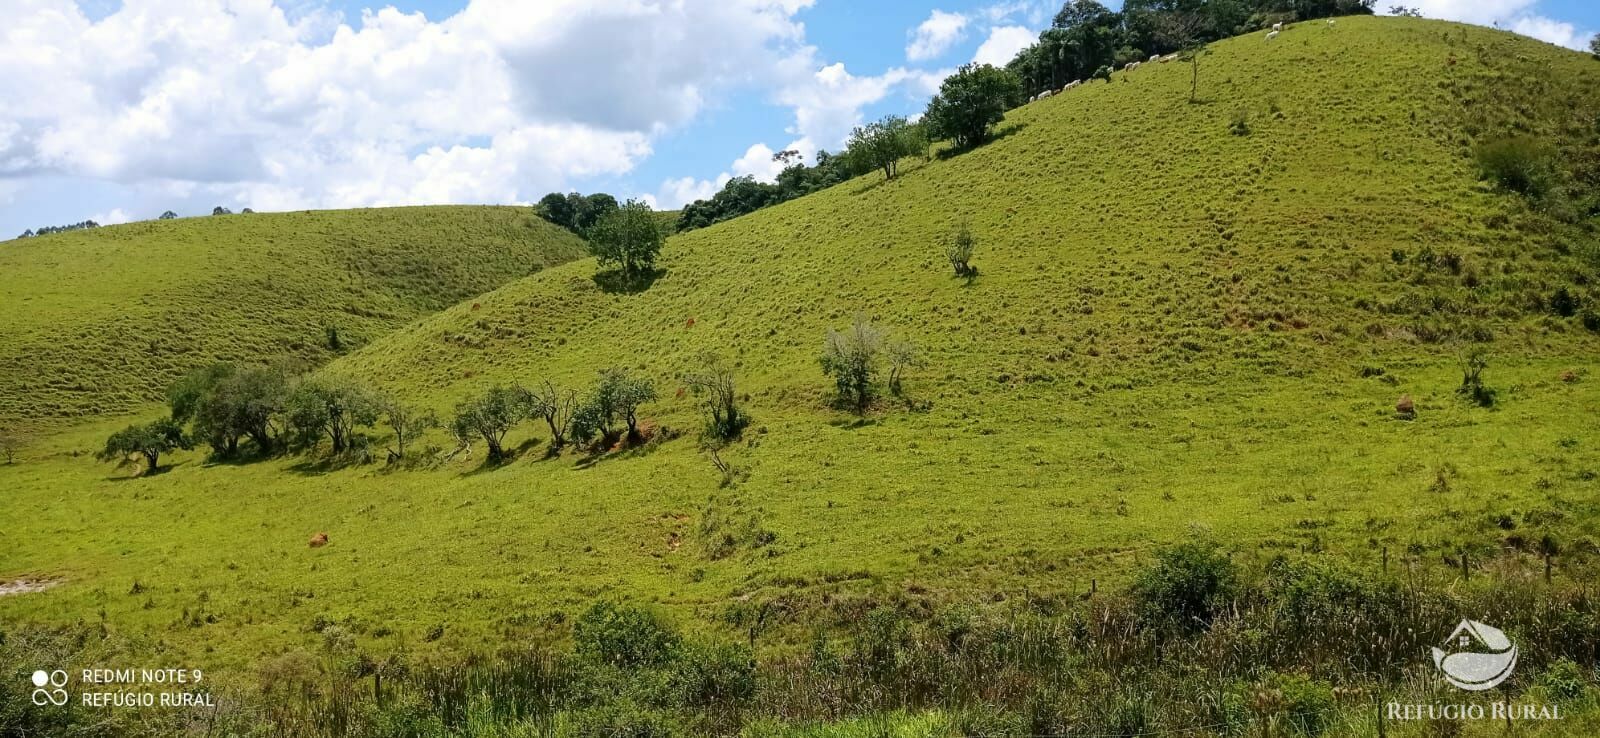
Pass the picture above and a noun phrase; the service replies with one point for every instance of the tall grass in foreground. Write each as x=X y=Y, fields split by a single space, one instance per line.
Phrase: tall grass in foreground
x=1196 y=647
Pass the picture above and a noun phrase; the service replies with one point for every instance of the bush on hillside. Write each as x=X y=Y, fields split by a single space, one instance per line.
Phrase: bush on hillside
x=1520 y=164
x=489 y=417
x=959 y=251
x=628 y=238
x=1473 y=363
x=882 y=144
x=1187 y=587
x=623 y=395
x=852 y=358
x=970 y=102
x=10 y=444
x=616 y=399
x=623 y=635
x=709 y=674
x=713 y=381
x=149 y=440
x=331 y=408
x=407 y=423
x=168 y=215
x=556 y=406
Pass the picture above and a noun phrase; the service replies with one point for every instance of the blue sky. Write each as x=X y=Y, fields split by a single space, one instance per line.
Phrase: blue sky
x=139 y=106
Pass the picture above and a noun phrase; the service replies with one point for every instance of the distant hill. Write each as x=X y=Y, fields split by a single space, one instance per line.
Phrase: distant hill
x=100 y=321
x=1319 y=208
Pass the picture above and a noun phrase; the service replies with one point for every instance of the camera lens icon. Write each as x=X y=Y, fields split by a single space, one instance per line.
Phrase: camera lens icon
x=57 y=679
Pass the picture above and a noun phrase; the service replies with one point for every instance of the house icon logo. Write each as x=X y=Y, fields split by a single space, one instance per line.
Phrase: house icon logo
x=1480 y=656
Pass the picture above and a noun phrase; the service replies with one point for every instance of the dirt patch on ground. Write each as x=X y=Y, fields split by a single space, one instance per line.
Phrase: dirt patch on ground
x=24 y=586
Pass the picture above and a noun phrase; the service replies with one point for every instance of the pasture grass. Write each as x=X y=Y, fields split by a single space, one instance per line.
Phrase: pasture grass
x=1176 y=332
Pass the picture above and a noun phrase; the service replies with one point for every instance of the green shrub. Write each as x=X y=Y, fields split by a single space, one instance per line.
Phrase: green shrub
x=852 y=359
x=1187 y=586
x=623 y=635
x=884 y=636
x=959 y=252
x=1308 y=705
x=713 y=380
x=1239 y=124
x=1473 y=363
x=1520 y=164
x=714 y=674
x=1564 y=681
x=1307 y=591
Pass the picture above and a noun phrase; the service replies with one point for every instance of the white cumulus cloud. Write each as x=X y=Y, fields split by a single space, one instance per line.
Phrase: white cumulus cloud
x=1003 y=44
x=500 y=103
x=934 y=36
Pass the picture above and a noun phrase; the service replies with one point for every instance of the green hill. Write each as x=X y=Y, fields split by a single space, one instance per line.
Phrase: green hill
x=1178 y=331
x=101 y=321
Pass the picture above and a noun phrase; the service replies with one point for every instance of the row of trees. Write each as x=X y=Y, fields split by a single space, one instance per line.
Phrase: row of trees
x=745 y=194
x=575 y=212
x=1086 y=36
x=167 y=215
x=266 y=410
x=47 y=230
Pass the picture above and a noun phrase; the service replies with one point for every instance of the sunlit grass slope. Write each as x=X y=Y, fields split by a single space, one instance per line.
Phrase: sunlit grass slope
x=1177 y=332
x=101 y=321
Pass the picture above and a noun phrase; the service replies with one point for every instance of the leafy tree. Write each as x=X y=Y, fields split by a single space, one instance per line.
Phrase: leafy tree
x=407 y=423
x=169 y=215
x=247 y=211
x=556 y=406
x=149 y=440
x=1520 y=164
x=219 y=210
x=595 y=207
x=490 y=417
x=970 y=102
x=1594 y=46
x=194 y=398
x=556 y=208
x=882 y=144
x=902 y=356
x=959 y=251
x=852 y=358
x=629 y=237
x=714 y=380
x=1403 y=11
x=331 y=407
x=622 y=395
x=226 y=404
x=10 y=444
x=591 y=421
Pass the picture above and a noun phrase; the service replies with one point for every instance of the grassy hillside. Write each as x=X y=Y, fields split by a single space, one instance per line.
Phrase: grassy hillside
x=101 y=321
x=1178 y=332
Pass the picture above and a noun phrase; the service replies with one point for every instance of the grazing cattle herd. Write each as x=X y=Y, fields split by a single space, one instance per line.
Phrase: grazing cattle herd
x=1277 y=28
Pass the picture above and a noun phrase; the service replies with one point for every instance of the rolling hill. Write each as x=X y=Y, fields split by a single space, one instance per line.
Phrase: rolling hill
x=101 y=321
x=1191 y=320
